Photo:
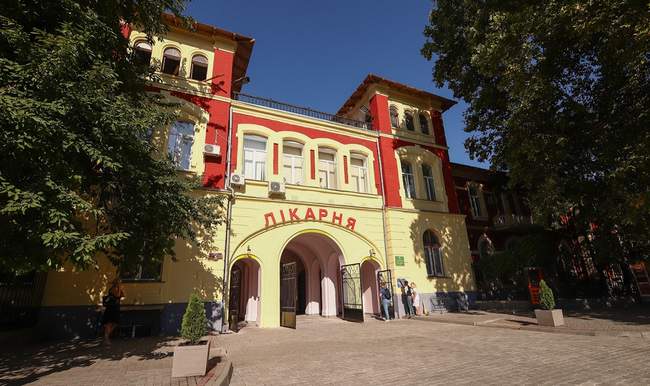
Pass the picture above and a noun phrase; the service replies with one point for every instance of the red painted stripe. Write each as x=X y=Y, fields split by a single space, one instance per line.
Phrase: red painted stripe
x=275 y=158
x=312 y=158
x=345 y=168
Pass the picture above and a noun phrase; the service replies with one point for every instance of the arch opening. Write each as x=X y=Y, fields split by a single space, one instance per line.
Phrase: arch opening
x=244 y=306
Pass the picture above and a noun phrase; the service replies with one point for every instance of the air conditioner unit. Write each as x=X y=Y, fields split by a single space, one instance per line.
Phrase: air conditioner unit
x=276 y=187
x=237 y=180
x=214 y=150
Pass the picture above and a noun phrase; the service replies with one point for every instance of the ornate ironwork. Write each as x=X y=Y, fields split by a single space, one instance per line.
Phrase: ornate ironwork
x=385 y=279
x=351 y=291
x=306 y=111
x=288 y=294
x=234 y=304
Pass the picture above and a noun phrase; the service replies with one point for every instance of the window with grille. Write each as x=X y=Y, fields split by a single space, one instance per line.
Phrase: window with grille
x=432 y=255
x=359 y=173
x=254 y=157
x=429 y=185
x=408 y=180
x=292 y=162
x=179 y=144
x=327 y=168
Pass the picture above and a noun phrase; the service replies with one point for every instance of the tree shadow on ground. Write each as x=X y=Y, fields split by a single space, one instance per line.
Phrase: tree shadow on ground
x=632 y=315
x=39 y=360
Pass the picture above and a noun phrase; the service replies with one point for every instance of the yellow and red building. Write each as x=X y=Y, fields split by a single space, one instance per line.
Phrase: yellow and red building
x=320 y=205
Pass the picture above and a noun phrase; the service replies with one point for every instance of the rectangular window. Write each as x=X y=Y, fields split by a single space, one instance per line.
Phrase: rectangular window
x=254 y=157
x=408 y=180
x=327 y=169
x=292 y=163
x=145 y=270
x=359 y=174
x=179 y=144
x=474 y=200
x=428 y=182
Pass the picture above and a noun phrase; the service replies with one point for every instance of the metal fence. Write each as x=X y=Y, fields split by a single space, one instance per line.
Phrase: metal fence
x=20 y=300
x=270 y=103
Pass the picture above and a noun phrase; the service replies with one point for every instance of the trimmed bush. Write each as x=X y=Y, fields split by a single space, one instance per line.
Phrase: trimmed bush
x=546 y=296
x=194 y=325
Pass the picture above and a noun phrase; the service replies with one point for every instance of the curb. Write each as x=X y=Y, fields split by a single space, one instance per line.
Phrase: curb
x=551 y=330
x=223 y=379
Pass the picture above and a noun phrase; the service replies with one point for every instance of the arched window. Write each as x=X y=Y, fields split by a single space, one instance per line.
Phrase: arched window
x=359 y=172
x=179 y=144
x=408 y=120
x=292 y=162
x=394 y=116
x=199 y=70
x=432 y=256
x=424 y=124
x=171 y=62
x=143 y=52
x=429 y=185
x=254 y=157
x=408 y=180
x=327 y=168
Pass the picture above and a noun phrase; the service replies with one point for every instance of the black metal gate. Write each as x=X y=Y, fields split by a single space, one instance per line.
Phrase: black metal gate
x=351 y=283
x=235 y=292
x=385 y=279
x=20 y=299
x=288 y=290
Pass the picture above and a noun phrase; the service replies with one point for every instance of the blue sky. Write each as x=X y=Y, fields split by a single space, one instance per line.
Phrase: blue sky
x=315 y=54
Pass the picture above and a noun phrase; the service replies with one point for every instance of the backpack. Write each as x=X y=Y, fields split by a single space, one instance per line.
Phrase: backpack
x=385 y=293
x=109 y=300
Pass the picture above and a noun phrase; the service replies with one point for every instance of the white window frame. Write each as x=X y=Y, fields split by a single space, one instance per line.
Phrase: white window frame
x=429 y=183
x=295 y=163
x=435 y=266
x=180 y=143
x=330 y=171
x=394 y=118
x=359 y=174
x=254 y=165
x=408 y=179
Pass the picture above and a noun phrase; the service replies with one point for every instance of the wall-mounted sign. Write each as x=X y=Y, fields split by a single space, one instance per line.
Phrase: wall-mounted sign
x=215 y=256
x=399 y=261
x=309 y=214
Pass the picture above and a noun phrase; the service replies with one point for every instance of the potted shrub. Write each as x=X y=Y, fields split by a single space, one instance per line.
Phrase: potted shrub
x=548 y=316
x=191 y=357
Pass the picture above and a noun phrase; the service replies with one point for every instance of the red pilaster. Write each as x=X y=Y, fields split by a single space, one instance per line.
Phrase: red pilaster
x=275 y=158
x=312 y=159
x=390 y=172
x=379 y=112
x=222 y=72
x=345 y=168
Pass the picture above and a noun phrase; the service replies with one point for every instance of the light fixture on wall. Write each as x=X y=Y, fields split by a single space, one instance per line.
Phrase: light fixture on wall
x=372 y=253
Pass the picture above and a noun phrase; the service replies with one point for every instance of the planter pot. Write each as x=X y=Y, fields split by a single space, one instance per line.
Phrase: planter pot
x=552 y=318
x=190 y=360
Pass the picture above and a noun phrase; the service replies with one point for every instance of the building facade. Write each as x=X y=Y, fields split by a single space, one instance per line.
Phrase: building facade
x=323 y=208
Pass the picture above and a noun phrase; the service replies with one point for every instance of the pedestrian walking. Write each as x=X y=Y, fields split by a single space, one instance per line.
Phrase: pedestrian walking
x=416 y=299
x=111 y=303
x=385 y=301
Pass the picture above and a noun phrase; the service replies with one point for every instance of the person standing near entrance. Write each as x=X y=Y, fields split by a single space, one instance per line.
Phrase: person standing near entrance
x=385 y=301
x=111 y=303
x=416 y=299
x=409 y=300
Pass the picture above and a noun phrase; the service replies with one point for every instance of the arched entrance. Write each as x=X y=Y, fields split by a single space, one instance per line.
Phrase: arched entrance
x=370 y=290
x=310 y=277
x=245 y=285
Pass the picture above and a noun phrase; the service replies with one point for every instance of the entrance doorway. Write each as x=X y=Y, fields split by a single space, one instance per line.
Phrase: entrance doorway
x=244 y=296
x=370 y=290
x=314 y=287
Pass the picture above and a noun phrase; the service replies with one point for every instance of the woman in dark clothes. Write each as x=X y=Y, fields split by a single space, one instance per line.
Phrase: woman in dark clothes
x=111 y=302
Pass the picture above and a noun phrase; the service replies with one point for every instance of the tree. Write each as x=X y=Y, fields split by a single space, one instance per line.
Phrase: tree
x=78 y=175
x=559 y=96
x=195 y=324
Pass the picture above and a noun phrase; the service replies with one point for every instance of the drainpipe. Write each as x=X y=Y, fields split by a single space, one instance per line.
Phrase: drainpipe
x=383 y=214
x=226 y=247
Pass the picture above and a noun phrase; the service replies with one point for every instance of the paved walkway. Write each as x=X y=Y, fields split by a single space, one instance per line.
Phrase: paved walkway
x=143 y=361
x=412 y=352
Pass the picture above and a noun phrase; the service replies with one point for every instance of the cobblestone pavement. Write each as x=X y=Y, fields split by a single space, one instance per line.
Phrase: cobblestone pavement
x=411 y=352
x=143 y=361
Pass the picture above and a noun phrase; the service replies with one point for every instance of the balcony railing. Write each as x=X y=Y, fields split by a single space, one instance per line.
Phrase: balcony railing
x=503 y=220
x=270 y=103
